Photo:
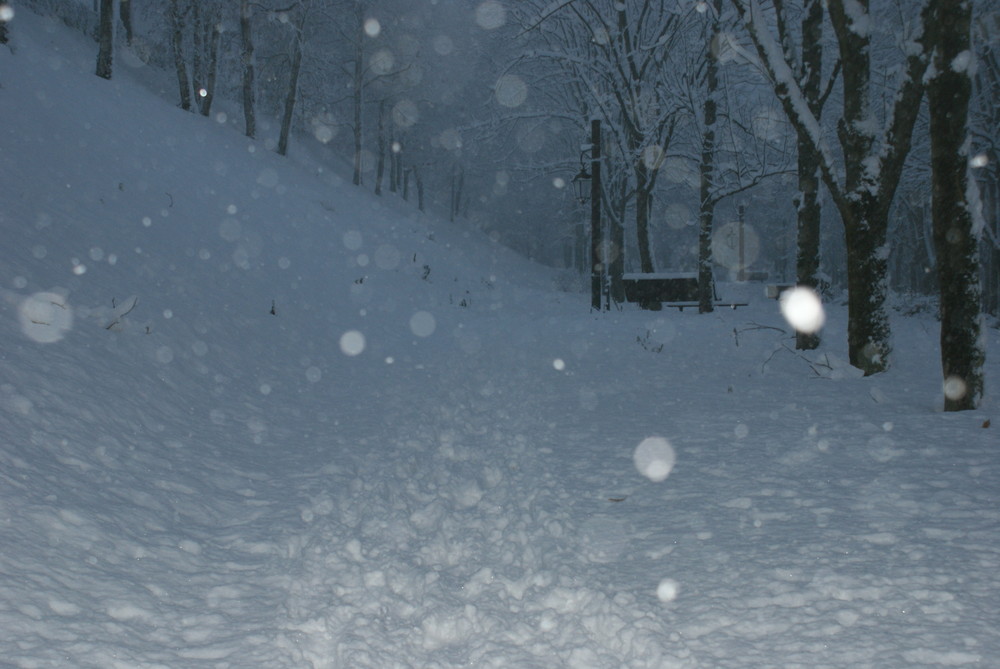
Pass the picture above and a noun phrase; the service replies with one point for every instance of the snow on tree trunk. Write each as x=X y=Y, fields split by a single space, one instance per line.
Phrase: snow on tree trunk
x=956 y=229
x=808 y=205
x=868 y=331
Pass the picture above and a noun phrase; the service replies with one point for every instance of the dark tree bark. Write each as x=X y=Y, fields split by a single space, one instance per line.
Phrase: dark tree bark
x=871 y=177
x=706 y=209
x=645 y=174
x=457 y=191
x=293 y=87
x=808 y=72
x=246 y=38
x=380 y=164
x=125 y=15
x=420 y=187
x=197 y=49
x=177 y=41
x=394 y=160
x=358 y=97
x=956 y=239
x=211 y=30
x=642 y=195
x=106 y=39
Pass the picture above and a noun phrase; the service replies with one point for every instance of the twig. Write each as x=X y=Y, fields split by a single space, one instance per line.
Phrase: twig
x=813 y=365
x=120 y=316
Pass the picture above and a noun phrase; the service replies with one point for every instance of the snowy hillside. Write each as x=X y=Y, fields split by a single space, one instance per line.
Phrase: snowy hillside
x=253 y=416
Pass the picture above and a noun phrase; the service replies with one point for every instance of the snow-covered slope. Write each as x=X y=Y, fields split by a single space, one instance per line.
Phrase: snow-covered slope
x=425 y=457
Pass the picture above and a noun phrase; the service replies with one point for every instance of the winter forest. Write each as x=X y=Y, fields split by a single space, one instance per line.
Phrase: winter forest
x=809 y=131
x=656 y=334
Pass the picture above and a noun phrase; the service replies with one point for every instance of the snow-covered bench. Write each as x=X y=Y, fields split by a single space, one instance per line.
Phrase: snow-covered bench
x=672 y=289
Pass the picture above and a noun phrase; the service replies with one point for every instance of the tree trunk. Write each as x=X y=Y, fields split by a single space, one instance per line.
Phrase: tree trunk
x=457 y=188
x=359 y=91
x=106 y=39
x=394 y=159
x=706 y=276
x=246 y=37
x=213 y=37
x=177 y=40
x=197 y=50
x=809 y=215
x=293 y=87
x=807 y=201
x=865 y=219
x=616 y=264
x=642 y=217
x=642 y=209
x=420 y=188
x=125 y=14
x=706 y=209
x=380 y=164
x=956 y=237
x=868 y=331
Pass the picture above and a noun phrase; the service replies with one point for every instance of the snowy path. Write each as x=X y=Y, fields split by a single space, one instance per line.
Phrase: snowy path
x=495 y=521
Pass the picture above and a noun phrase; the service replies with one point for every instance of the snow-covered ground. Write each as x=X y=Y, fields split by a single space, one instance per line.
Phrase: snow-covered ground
x=426 y=456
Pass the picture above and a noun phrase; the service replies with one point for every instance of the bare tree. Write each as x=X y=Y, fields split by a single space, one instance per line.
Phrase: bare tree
x=195 y=33
x=618 y=61
x=872 y=157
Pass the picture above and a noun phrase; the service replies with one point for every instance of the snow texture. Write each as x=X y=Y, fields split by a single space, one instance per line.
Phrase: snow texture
x=243 y=426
